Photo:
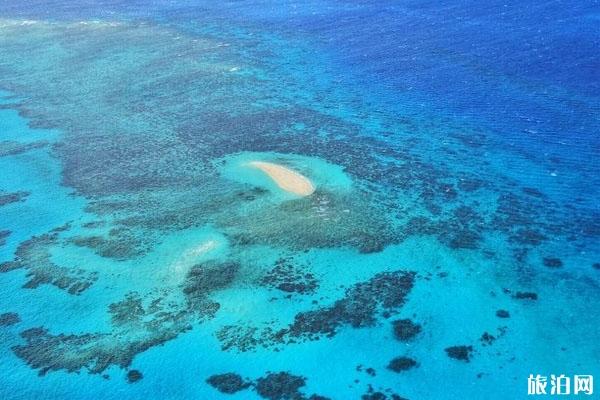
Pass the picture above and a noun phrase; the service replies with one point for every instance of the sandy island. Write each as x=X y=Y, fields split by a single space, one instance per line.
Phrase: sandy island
x=287 y=179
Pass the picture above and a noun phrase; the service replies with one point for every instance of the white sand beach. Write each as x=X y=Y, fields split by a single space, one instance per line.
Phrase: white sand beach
x=287 y=179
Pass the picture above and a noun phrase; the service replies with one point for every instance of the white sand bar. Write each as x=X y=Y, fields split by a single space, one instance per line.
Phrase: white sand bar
x=287 y=179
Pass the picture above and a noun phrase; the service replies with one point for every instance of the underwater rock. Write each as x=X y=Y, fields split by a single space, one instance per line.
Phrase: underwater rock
x=138 y=325
x=487 y=338
x=126 y=311
x=228 y=383
x=134 y=375
x=552 y=262
x=122 y=244
x=405 y=329
x=11 y=148
x=596 y=265
x=360 y=307
x=205 y=278
x=280 y=386
x=285 y=276
x=502 y=314
x=34 y=255
x=95 y=352
x=400 y=364
x=373 y=395
x=470 y=185
x=526 y=295
x=3 y=235
x=462 y=353
x=15 y=197
x=9 y=318
x=532 y=192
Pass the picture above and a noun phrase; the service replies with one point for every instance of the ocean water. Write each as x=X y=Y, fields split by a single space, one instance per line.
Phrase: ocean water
x=454 y=228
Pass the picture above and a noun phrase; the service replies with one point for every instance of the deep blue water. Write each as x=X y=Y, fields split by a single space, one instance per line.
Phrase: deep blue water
x=454 y=228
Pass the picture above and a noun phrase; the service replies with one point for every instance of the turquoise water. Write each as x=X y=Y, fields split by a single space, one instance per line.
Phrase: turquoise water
x=456 y=194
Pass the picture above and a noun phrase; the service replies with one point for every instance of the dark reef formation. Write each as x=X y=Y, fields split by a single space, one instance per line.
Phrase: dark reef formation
x=526 y=296
x=400 y=364
x=552 y=262
x=462 y=353
x=9 y=318
x=273 y=386
x=121 y=244
x=10 y=148
x=502 y=314
x=134 y=375
x=362 y=304
x=287 y=277
x=386 y=394
x=34 y=255
x=228 y=383
x=3 y=235
x=405 y=329
x=280 y=386
x=15 y=197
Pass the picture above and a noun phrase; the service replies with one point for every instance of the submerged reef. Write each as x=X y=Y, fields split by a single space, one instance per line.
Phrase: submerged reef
x=360 y=307
x=228 y=383
x=121 y=244
x=386 y=394
x=138 y=323
x=14 y=197
x=10 y=148
x=5 y=233
x=400 y=364
x=34 y=256
x=134 y=375
x=405 y=329
x=462 y=353
x=9 y=318
x=290 y=278
x=273 y=386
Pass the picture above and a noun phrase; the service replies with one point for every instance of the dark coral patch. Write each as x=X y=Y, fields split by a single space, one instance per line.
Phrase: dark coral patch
x=154 y=322
x=12 y=148
x=3 y=235
x=9 y=318
x=533 y=192
x=470 y=185
x=228 y=383
x=405 y=329
x=134 y=375
x=462 y=353
x=526 y=296
x=596 y=266
x=487 y=338
x=285 y=276
x=552 y=262
x=202 y=279
x=280 y=386
x=121 y=244
x=502 y=314
x=34 y=255
x=400 y=364
x=360 y=307
x=378 y=395
x=15 y=197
